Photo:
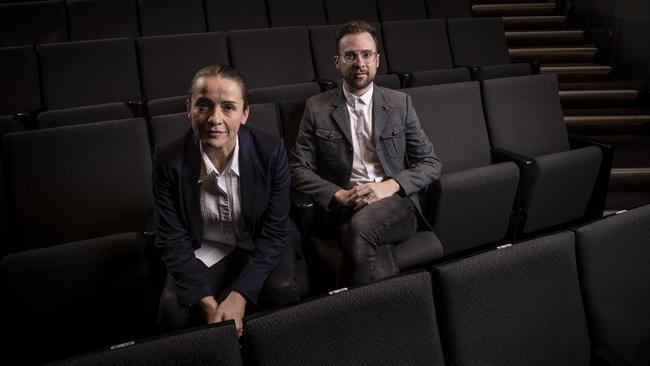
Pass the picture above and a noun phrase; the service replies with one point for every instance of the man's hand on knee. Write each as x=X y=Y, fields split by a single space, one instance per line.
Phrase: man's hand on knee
x=365 y=194
x=233 y=307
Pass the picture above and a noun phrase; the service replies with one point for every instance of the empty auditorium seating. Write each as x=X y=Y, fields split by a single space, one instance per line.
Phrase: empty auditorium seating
x=472 y=192
x=401 y=10
x=614 y=267
x=515 y=306
x=96 y=19
x=480 y=43
x=88 y=81
x=275 y=62
x=420 y=48
x=391 y=322
x=323 y=45
x=171 y=17
x=215 y=344
x=75 y=297
x=168 y=64
x=19 y=77
x=284 y=13
x=78 y=182
x=233 y=15
x=449 y=9
x=32 y=23
x=342 y=11
x=524 y=116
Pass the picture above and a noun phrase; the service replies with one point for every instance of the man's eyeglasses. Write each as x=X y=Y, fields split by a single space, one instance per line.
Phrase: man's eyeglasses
x=367 y=56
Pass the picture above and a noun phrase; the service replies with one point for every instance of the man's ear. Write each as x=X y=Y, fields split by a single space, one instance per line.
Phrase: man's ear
x=188 y=105
x=245 y=119
x=337 y=62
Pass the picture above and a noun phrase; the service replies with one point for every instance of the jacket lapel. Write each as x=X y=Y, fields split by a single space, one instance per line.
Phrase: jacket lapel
x=379 y=114
x=340 y=114
x=252 y=180
x=191 y=197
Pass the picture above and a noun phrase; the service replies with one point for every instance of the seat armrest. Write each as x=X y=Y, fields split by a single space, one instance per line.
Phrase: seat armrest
x=580 y=141
x=500 y=155
x=150 y=227
x=325 y=84
x=137 y=106
x=305 y=211
x=404 y=77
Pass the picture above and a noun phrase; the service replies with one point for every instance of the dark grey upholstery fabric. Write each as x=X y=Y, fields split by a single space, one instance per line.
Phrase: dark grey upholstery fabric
x=168 y=105
x=436 y=77
x=474 y=206
x=448 y=9
x=276 y=94
x=390 y=322
x=75 y=297
x=452 y=117
x=323 y=46
x=524 y=115
x=88 y=72
x=614 y=264
x=168 y=63
x=233 y=15
x=210 y=345
x=401 y=10
x=85 y=114
x=422 y=248
x=78 y=182
x=473 y=193
x=559 y=186
x=285 y=51
x=291 y=113
x=32 y=23
x=516 y=306
x=97 y=19
x=167 y=127
x=503 y=71
x=408 y=52
x=171 y=17
x=342 y=11
x=19 y=77
x=390 y=81
x=285 y=13
x=478 y=41
x=7 y=125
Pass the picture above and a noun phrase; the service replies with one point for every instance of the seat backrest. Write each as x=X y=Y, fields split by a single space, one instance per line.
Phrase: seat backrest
x=323 y=47
x=171 y=17
x=520 y=305
x=291 y=112
x=390 y=322
x=284 y=50
x=452 y=117
x=168 y=127
x=285 y=13
x=417 y=45
x=87 y=294
x=168 y=63
x=78 y=182
x=478 y=41
x=342 y=11
x=88 y=72
x=32 y=23
x=19 y=77
x=614 y=264
x=7 y=125
x=97 y=19
x=215 y=344
x=401 y=10
x=524 y=114
x=233 y=15
x=449 y=9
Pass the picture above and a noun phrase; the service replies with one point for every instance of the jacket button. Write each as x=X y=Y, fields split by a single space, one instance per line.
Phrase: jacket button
x=394 y=132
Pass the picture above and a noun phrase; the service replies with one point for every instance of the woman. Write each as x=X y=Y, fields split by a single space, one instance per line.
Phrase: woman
x=222 y=197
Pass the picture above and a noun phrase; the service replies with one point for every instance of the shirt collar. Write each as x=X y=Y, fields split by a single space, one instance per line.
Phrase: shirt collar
x=207 y=168
x=365 y=97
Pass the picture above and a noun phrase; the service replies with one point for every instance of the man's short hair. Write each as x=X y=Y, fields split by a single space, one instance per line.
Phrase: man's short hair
x=354 y=27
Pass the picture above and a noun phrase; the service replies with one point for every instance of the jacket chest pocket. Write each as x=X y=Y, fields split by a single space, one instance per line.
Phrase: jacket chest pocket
x=394 y=142
x=329 y=143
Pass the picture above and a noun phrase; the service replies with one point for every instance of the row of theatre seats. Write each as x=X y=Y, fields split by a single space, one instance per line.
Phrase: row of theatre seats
x=87 y=81
x=575 y=297
x=509 y=167
x=37 y=22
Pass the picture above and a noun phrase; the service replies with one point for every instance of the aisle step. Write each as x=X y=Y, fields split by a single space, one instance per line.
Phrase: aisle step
x=554 y=54
x=545 y=37
x=534 y=22
x=501 y=10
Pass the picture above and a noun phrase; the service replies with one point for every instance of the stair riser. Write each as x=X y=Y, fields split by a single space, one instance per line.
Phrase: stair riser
x=597 y=101
x=545 y=39
x=553 y=57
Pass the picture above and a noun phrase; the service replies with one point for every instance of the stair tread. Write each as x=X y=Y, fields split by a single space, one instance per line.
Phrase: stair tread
x=545 y=32
x=602 y=111
x=612 y=118
x=515 y=6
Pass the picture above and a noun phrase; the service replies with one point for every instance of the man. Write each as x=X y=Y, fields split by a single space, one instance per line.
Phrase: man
x=361 y=155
